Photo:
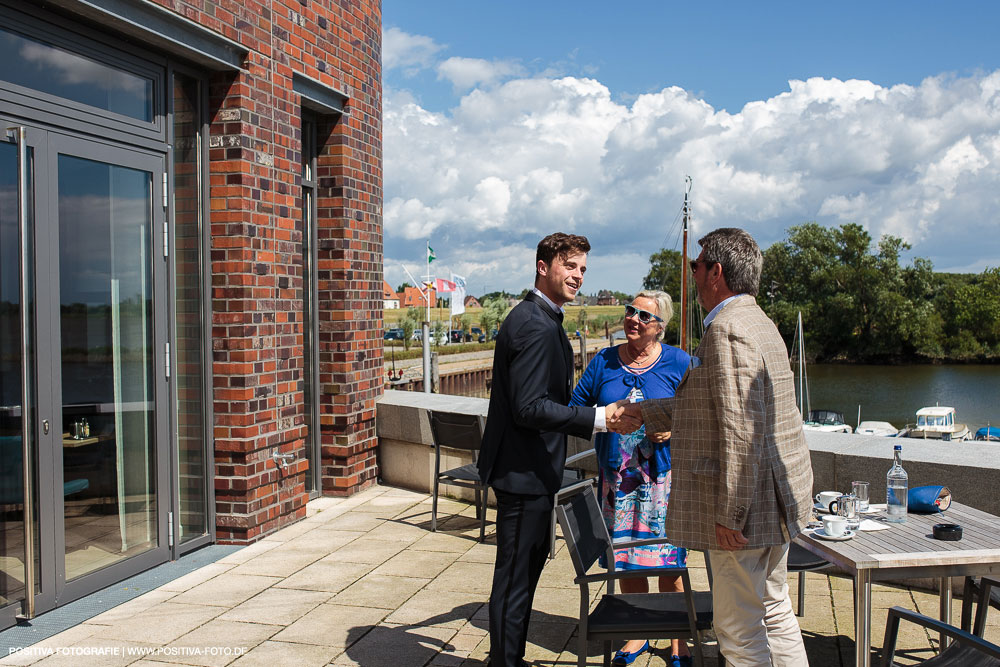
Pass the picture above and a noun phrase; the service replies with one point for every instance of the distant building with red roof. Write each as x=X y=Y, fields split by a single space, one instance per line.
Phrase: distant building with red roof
x=411 y=297
x=390 y=300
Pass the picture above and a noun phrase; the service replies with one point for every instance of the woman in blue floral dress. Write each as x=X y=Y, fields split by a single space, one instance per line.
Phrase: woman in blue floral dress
x=635 y=468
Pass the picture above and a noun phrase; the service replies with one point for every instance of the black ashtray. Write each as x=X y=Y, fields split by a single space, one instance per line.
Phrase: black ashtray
x=949 y=532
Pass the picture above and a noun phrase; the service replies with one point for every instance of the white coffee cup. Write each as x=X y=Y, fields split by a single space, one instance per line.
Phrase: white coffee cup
x=834 y=525
x=824 y=498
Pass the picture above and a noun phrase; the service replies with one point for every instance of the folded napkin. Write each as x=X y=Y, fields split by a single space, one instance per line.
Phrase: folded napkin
x=869 y=524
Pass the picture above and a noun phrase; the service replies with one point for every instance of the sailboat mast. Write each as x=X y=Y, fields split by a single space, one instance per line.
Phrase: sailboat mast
x=803 y=397
x=684 y=270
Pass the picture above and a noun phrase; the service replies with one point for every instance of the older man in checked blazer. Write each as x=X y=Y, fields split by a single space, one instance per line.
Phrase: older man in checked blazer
x=742 y=478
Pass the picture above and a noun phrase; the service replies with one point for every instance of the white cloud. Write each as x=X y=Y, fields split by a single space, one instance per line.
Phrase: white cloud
x=523 y=157
x=408 y=52
x=465 y=73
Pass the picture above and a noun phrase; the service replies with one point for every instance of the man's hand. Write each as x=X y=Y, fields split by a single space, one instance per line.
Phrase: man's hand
x=623 y=416
x=729 y=539
x=662 y=436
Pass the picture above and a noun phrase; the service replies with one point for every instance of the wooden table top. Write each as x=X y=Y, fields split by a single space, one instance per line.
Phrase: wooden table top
x=69 y=441
x=912 y=545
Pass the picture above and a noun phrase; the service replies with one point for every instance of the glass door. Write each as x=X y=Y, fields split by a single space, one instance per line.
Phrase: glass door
x=82 y=367
x=106 y=300
x=17 y=439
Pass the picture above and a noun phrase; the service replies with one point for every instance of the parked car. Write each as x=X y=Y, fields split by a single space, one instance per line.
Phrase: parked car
x=456 y=336
x=393 y=334
x=418 y=336
x=476 y=334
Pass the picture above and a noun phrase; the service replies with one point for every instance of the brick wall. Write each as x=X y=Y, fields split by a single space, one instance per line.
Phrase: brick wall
x=256 y=255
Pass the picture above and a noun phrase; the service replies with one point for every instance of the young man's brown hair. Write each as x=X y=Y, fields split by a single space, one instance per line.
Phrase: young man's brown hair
x=560 y=245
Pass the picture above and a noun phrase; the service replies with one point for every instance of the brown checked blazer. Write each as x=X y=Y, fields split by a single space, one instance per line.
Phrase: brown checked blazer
x=739 y=456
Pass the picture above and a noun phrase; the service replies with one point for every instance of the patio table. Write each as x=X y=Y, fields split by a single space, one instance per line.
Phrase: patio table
x=909 y=550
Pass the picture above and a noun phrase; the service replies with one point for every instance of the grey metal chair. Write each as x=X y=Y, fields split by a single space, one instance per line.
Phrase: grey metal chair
x=686 y=615
x=801 y=560
x=973 y=594
x=463 y=432
x=968 y=649
x=574 y=480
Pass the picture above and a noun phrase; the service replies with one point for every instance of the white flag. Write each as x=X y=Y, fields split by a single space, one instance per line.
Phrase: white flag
x=458 y=295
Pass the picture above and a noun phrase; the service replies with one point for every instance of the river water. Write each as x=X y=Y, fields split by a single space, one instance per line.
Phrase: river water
x=895 y=393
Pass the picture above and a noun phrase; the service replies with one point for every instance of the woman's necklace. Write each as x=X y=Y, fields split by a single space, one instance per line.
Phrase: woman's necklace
x=644 y=357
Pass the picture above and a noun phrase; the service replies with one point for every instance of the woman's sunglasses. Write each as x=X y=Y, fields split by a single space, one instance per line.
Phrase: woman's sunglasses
x=644 y=315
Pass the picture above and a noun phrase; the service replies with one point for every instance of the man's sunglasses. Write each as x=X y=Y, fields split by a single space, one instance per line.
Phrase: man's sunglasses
x=644 y=315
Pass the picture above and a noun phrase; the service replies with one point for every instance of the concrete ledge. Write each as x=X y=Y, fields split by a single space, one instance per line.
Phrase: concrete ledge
x=406 y=447
x=970 y=469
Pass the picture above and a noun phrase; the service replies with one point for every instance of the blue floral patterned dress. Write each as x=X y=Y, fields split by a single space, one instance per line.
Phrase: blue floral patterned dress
x=634 y=472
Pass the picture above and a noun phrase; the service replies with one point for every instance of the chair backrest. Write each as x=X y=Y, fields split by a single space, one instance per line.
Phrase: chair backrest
x=457 y=431
x=985 y=594
x=583 y=528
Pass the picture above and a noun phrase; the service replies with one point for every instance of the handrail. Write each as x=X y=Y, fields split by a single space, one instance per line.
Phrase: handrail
x=19 y=136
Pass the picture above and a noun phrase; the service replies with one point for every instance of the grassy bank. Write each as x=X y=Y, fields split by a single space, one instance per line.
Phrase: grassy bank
x=596 y=316
x=416 y=351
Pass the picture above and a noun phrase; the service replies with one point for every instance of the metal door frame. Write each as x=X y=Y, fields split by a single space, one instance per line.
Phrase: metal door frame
x=46 y=145
x=48 y=291
x=38 y=505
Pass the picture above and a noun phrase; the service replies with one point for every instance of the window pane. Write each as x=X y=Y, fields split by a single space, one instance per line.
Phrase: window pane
x=33 y=64
x=106 y=312
x=191 y=436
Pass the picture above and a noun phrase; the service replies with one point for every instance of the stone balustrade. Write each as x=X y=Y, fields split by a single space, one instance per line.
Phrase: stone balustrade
x=970 y=469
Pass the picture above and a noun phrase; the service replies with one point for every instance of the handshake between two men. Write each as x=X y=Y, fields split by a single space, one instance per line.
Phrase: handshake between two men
x=626 y=417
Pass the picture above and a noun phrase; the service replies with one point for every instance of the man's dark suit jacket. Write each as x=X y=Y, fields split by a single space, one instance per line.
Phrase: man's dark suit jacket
x=524 y=445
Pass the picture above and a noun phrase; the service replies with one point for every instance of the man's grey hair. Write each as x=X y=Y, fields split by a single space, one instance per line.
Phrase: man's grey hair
x=739 y=256
x=664 y=306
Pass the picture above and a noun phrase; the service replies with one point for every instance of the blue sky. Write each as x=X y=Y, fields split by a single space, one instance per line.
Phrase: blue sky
x=505 y=121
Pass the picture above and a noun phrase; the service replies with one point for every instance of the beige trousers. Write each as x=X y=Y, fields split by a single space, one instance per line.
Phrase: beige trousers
x=754 y=620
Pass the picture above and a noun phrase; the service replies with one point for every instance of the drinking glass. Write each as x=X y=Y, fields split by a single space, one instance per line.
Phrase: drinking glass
x=860 y=491
x=847 y=507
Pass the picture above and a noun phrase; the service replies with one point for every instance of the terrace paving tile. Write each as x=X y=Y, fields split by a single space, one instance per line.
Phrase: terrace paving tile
x=332 y=625
x=363 y=581
x=380 y=591
x=226 y=590
x=272 y=653
x=277 y=606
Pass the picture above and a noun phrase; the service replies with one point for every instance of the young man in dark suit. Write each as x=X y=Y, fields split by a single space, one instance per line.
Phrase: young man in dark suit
x=524 y=444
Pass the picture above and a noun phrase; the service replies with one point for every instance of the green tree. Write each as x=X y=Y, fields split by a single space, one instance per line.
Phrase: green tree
x=664 y=273
x=857 y=302
x=401 y=288
x=410 y=322
x=440 y=333
x=972 y=308
x=494 y=311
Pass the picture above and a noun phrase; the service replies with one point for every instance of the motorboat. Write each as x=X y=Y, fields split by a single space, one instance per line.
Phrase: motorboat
x=826 y=421
x=884 y=429
x=988 y=434
x=938 y=422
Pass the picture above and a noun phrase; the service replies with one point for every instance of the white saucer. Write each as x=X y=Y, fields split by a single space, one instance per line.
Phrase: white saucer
x=821 y=534
x=821 y=508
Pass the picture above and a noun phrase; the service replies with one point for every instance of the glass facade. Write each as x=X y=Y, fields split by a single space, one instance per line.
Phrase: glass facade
x=106 y=345
x=189 y=323
x=309 y=295
x=116 y=364
x=40 y=66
